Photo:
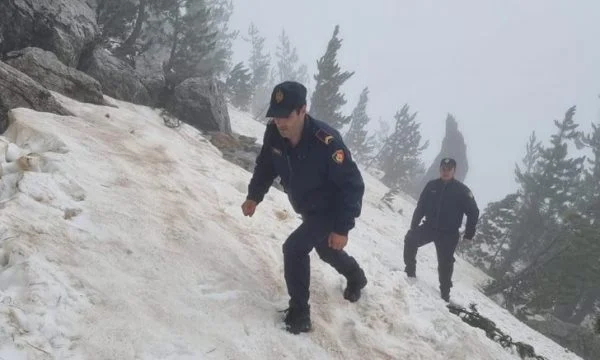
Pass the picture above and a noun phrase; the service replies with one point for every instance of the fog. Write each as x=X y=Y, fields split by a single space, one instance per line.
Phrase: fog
x=503 y=68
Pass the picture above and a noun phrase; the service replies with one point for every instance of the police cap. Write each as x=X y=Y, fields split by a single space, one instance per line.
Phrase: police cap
x=286 y=97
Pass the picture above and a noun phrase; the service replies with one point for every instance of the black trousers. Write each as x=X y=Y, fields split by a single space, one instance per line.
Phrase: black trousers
x=312 y=233
x=445 y=244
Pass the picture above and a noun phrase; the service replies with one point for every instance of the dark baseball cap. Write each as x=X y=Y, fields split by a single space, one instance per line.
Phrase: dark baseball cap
x=286 y=97
x=448 y=162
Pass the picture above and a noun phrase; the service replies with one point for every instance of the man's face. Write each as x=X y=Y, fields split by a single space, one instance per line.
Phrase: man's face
x=447 y=172
x=291 y=126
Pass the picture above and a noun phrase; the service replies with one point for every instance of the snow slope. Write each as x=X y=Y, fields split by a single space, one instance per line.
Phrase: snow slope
x=128 y=242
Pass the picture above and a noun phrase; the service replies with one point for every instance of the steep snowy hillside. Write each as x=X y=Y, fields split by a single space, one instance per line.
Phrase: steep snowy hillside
x=128 y=242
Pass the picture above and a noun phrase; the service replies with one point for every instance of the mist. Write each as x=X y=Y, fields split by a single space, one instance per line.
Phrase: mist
x=503 y=69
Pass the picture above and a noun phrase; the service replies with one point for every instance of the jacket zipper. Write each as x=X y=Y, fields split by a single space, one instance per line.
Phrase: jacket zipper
x=439 y=209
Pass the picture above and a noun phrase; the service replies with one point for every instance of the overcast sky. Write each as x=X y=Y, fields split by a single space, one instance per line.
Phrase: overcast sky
x=503 y=68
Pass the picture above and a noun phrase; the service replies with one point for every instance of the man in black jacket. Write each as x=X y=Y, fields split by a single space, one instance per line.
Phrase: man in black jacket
x=323 y=184
x=443 y=202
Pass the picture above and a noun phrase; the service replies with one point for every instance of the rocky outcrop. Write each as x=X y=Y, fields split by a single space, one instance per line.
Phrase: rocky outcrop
x=19 y=90
x=148 y=66
x=65 y=27
x=118 y=79
x=45 y=68
x=453 y=145
x=201 y=103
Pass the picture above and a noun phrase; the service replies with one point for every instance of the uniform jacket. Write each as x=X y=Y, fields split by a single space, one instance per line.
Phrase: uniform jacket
x=443 y=205
x=318 y=175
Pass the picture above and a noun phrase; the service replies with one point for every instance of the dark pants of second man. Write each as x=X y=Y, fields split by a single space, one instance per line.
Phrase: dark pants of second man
x=312 y=233
x=445 y=244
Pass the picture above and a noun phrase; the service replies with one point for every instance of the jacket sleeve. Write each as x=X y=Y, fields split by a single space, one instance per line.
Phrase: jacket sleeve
x=472 y=212
x=346 y=177
x=264 y=172
x=419 y=210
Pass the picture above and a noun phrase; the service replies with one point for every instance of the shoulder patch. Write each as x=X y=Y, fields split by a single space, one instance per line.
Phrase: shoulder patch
x=338 y=156
x=324 y=136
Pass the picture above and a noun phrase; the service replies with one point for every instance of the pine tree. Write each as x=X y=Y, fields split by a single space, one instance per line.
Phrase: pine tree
x=548 y=189
x=116 y=19
x=239 y=87
x=287 y=62
x=551 y=239
x=356 y=138
x=219 y=60
x=260 y=63
x=400 y=156
x=493 y=235
x=327 y=100
x=192 y=40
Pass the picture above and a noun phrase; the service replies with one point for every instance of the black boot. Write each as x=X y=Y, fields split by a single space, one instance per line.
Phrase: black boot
x=410 y=271
x=445 y=294
x=356 y=282
x=297 y=320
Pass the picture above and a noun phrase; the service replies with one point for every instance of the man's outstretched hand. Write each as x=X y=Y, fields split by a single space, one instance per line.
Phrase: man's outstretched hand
x=337 y=241
x=249 y=207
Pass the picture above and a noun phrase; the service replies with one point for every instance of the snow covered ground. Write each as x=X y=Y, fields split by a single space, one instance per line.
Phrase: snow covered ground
x=128 y=242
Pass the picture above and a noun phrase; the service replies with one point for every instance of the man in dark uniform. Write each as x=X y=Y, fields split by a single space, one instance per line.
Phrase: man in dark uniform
x=323 y=184
x=443 y=203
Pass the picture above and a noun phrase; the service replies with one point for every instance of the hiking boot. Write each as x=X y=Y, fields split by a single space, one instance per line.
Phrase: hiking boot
x=445 y=295
x=410 y=272
x=297 y=320
x=355 y=284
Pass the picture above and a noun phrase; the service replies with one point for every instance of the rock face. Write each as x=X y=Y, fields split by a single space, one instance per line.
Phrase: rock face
x=118 y=79
x=64 y=27
x=45 y=68
x=200 y=102
x=453 y=146
x=149 y=69
x=19 y=90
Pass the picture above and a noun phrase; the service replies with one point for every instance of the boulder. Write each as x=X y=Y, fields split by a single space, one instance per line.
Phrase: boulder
x=45 y=68
x=201 y=103
x=65 y=27
x=19 y=90
x=118 y=79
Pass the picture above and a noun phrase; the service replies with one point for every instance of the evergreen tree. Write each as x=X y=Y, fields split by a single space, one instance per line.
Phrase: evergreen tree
x=115 y=18
x=400 y=156
x=239 y=87
x=192 y=40
x=327 y=100
x=219 y=60
x=493 y=235
x=548 y=191
x=194 y=32
x=356 y=138
x=287 y=62
x=551 y=239
x=260 y=62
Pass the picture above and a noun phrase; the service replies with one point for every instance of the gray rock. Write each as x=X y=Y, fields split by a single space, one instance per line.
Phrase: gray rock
x=65 y=27
x=118 y=79
x=149 y=68
x=45 y=68
x=19 y=90
x=201 y=103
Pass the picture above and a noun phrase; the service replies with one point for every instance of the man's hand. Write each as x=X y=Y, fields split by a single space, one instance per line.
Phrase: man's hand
x=337 y=241
x=249 y=207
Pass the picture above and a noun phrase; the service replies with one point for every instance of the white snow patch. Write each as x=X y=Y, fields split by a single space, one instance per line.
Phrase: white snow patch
x=128 y=242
